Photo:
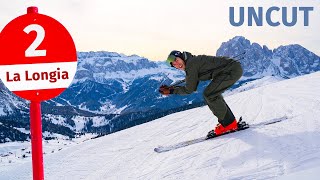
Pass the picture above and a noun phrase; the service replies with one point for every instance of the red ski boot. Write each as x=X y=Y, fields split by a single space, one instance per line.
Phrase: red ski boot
x=219 y=129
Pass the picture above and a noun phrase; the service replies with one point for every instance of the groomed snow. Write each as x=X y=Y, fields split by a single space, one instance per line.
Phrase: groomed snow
x=267 y=152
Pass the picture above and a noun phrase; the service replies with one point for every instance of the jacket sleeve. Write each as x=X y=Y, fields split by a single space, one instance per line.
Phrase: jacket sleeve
x=192 y=81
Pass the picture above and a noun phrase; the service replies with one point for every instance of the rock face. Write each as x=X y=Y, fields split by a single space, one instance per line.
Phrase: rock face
x=259 y=61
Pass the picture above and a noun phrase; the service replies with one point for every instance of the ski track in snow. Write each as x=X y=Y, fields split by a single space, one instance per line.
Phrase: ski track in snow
x=256 y=153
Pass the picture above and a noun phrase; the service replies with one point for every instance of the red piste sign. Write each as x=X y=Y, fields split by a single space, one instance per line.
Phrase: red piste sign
x=38 y=57
x=38 y=62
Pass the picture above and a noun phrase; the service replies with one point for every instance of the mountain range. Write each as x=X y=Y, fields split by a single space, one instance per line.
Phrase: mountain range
x=112 y=91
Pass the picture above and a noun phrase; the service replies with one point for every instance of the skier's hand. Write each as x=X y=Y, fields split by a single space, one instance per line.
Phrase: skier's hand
x=166 y=90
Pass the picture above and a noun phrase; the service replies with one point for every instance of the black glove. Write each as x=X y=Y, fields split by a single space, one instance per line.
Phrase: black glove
x=166 y=90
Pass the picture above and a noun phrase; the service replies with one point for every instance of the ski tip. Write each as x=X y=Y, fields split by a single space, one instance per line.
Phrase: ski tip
x=158 y=150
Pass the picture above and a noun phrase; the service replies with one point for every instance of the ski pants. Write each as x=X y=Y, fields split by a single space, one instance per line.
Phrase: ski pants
x=213 y=92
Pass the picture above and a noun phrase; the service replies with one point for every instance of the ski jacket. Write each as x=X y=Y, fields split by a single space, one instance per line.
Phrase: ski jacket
x=201 y=68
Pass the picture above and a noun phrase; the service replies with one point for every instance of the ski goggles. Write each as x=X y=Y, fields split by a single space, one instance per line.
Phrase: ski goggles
x=170 y=60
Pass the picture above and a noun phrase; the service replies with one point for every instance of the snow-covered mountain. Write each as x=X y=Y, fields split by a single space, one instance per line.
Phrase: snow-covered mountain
x=261 y=152
x=259 y=61
x=124 y=84
x=112 y=91
x=9 y=104
x=111 y=83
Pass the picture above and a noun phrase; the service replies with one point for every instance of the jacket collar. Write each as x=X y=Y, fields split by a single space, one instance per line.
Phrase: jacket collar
x=186 y=56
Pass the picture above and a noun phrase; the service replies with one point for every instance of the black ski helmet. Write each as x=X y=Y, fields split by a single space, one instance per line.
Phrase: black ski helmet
x=172 y=56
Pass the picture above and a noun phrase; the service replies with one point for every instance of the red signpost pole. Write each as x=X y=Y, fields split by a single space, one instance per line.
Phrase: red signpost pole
x=36 y=140
x=29 y=51
x=36 y=130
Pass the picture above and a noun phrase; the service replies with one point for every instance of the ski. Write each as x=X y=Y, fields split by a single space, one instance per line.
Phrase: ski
x=241 y=124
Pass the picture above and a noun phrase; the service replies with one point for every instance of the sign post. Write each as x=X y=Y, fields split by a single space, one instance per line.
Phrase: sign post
x=36 y=140
x=38 y=62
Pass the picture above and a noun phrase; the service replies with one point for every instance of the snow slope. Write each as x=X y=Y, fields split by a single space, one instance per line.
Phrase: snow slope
x=266 y=152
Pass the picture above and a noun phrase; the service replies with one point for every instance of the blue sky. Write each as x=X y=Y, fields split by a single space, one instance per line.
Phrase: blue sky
x=153 y=28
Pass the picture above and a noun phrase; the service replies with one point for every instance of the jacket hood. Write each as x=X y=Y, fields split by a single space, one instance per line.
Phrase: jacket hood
x=186 y=56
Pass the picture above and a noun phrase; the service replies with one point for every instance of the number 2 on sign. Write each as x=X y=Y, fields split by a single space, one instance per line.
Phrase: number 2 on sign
x=31 y=51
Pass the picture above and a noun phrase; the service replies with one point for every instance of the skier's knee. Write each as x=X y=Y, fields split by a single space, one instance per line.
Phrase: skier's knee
x=205 y=96
x=210 y=97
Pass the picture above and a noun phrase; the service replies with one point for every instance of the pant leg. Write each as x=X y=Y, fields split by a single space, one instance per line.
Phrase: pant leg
x=213 y=97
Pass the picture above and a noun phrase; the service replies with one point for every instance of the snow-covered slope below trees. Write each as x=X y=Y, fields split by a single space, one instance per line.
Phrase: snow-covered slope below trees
x=263 y=152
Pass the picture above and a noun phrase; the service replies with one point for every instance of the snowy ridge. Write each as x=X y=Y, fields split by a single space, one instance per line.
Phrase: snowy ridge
x=123 y=87
x=10 y=103
x=103 y=65
x=285 y=61
x=116 y=80
x=259 y=153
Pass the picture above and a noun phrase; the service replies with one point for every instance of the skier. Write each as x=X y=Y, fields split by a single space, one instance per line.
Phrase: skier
x=223 y=72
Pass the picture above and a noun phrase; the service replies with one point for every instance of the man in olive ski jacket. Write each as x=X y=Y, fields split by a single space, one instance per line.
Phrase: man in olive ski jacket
x=223 y=73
